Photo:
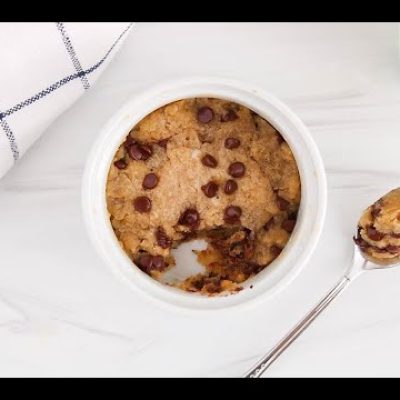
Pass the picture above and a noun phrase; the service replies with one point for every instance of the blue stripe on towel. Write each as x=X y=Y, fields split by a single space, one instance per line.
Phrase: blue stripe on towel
x=63 y=81
x=80 y=74
x=11 y=138
x=72 y=54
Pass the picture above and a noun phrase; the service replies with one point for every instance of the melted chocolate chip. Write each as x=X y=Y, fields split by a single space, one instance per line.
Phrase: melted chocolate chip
x=128 y=142
x=140 y=152
x=288 y=225
x=135 y=151
x=121 y=164
x=210 y=189
x=392 y=249
x=230 y=115
x=147 y=151
x=190 y=218
x=373 y=234
x=205 y=115
x=360 y=242
x=142 y=204
x=198 y=284
x=242 y=246
x=237 y=169
x=236 y=248
x=158 y=263
x=232 y=214
x=150 y=181
x=209 y=161
x=249 y=268
x=282 y=204
x=163 y=240
x=213 y=287
x=230 y=186
x=395 y=235
x=144 y=262
x=232 y=143
x=275 y=251
x=148 y=263
x=378 y=249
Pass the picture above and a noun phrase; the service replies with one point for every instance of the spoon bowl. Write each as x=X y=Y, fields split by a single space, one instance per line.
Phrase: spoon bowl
x=361 y=263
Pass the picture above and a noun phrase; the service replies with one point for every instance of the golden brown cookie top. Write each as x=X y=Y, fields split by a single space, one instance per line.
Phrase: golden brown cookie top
x=197 y=166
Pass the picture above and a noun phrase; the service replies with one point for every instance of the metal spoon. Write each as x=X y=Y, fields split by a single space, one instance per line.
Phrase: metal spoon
x=359 y=266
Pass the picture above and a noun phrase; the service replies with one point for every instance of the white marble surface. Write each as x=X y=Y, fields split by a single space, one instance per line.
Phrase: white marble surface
x=63 y=314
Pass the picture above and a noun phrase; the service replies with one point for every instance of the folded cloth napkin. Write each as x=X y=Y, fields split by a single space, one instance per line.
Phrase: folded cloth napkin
x=46 y=67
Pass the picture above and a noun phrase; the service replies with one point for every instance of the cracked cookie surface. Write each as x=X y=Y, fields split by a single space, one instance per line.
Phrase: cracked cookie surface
x=204 y=168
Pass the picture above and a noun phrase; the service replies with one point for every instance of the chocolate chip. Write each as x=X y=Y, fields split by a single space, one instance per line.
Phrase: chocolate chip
x=150 y=181
x=163 y=240
x=232 y=143
x=242 y=245
x=378 y=249
x=395 y=235
x=205 y=114
x=147 y=152
x=230 y=186
x=360 y=242
x=144 y=262
x=210 y=189
x=283 y=204
x=209 y=161
x=373 y=234
x=158 y=263
x=232 y=214
x=147 y=263
x=190 y=218
x=198 y=284
x=163 y=143
x=142 y=204
x=230 y=115
x=128 y=142
x=121 y=164
x=135 y=151
x=213 y=287
x=267 y=226
x=288 y=225
x=140 y=152
x=275 y=251
x=237 y=169
x=392 y=249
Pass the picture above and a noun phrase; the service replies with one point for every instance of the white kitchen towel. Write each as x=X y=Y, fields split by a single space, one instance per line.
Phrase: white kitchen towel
x=44 y=68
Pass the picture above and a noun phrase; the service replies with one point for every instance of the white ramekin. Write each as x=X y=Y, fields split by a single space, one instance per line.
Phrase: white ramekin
x=313 y=181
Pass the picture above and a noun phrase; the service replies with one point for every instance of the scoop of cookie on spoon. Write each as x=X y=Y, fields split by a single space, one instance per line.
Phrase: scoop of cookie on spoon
x=377 y=246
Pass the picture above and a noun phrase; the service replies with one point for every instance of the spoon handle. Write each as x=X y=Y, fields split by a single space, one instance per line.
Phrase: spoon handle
x=273 y=354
